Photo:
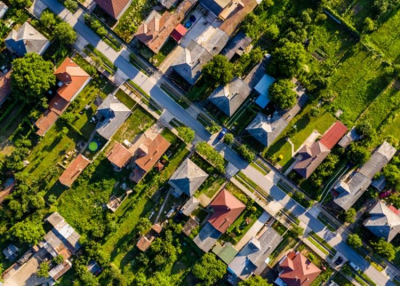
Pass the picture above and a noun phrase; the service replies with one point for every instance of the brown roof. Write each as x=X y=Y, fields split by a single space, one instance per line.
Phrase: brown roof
x=151 y=151
x=119 y=155
x=155 y=30
x=73 y=78
x=74 y=170
x=5 y=85
x=311 y=157
x=334 y=134
x=113 y=8
x=144 y=243
x=157 y=228
x=58 y=104
x=45 y=122
x=6 y=191
x=226 y=208
x=298 y=270
x=233 y=15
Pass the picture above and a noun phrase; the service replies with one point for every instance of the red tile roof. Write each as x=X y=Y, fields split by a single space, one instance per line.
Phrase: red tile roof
x=58 y=104
x=119 y=155
x=114 y=8
x=45 y=122
x=74 y=170
x=178 y=33
x=298 y=270
x=334 y=134
x=154 y=150
x=5 y=85
x=227 y=209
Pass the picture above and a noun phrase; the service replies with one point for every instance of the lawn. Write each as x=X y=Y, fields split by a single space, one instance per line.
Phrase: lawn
x=137 y=123
x=358 y=12
x=125 y=99
x=158 y=58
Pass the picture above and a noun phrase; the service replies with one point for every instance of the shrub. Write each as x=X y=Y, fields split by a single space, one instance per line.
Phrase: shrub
x=228 y=139
x=246 y=153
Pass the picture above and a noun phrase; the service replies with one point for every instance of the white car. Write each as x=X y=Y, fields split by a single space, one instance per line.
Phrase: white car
x=355 y=267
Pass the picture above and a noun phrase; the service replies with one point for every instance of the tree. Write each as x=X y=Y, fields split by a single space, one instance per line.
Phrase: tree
x=71 y=5
x=392 y=175
x=209 y=270
x=365 y=129
x=218 y=71
x=272 y=32
x=296 y=231
x=350 y=215
x=64 y=33
x=358 y=154
x=58 y=259
x=289 y=59
x=384 y=249
x=43 y=270
x=143 y=224
x=32 y=77
x=354 y=241
x=369 y=25
x=254 y=280
x=186 y=133
x=159 y=279
x=247 y=153
x=48 y=20
x=228 y=139
x=27 y=231
x=281 y=92
x=20 y=3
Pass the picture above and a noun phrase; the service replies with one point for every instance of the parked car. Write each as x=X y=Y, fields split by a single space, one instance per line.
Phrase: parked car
x=385 y=194
x=222 y=134
x=355 y=267
x=339 y=260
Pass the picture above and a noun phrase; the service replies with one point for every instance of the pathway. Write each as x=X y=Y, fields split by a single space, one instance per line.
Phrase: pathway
x=252 y=232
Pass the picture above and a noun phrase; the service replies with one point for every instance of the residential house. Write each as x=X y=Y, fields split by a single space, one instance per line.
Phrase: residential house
x=262 y=88
x=3 y=9
x=229 y=97
x=10 y=252
x=354 y=184
x=190 y=206
x=266 y=129
x=225 y=208
x=384 y=221
x=168 y=3
x=350 y=137
x=111 y=114
x=71 y=81
x=310 y=157
x=7 y=189
x=74 y=170
x=5 y=86
x=119 y=156
x=145 y=241
x=26 y=40
x=147 y=155
x=187 y=178
x=236 y=46
x=114 y=8
x=253 y=257
x=155 y=30
x=178 y=33
x=295 y=270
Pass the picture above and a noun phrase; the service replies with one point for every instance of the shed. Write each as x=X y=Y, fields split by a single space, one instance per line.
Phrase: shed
x=262 y=87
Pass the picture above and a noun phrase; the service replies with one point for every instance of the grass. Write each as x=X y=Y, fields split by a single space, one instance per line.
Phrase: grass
x=125 y=99
x=322 y=219
x=167 y=134
x=357 y=14
x=107 y=64
x=341 y=280
x=259 y=168
x=279 y=228
x=348 y=271
x=319 y=246
x=137 y=123
x=158 y=58
x=322 y=242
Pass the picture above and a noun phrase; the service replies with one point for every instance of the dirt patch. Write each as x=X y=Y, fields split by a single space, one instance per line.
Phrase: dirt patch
x=6 y=148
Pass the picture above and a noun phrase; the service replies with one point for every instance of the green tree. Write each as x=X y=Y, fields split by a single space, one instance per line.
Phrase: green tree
x=209 y=269
x=32 y=77
x=228 y=139
x=354 y=241
x=272 y=32
x=281 y=92
x=369 y=25
x=20 y=3
x=160 y=279
x=254 y=280
x=289 y=59
x=247 y=153
x=365 y=129
x=43 y=270
x=64 y=33
x=218 y=71
x=384 y=249
x=71 y=5
x=48 y=19
x=392 y=175
x=58 y=259
x=358 y=154
x=296 y=231
x=143 y=224
x=27 y=231
x=186 y=133
x=350 y=215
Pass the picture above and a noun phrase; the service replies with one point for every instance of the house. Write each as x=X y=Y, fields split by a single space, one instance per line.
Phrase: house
x=26 y=40
x=114 y=8
x=179 y=32
x=234 y=13
x=145 y=241
x=225 y=209
x=295 y=270
x=187 y=178
x=72 y=79
x=147 y=155
x=168 y=3
x=3 y=9
x=5 y=86
x=7 y=189
x=310 y=157
x=267 y=129
x=190 y=206
x=64 y=232
x=226 y=252
x=74 y=170
x=119 y=156
x=384 y=222
x=111 y=114
x=236 y=46
x=350 y=137
x=229 y=97
x=10 y=252
x=253 y=257
x=354 y=184
x=155 y=30
x=262 y=88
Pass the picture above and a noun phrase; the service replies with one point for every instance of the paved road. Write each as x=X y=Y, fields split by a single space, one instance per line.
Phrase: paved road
x=150 y=85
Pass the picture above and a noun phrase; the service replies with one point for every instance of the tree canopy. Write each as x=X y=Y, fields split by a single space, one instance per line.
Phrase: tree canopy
x=384 y=249
x=254 y=280
x=64 y=33
x=209 y=269
x=186 y=133
x=358 y=154
x=32 y=76
x=289 y=59
x=281 y=92
x=218 y=71
x=27 y=231
x=354 y=241
x=350 y=215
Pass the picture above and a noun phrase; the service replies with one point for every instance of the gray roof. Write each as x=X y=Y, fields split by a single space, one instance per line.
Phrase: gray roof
x=267 y=129
x=188 y=178
x=252 y=257
x=228 y=98
x=207 y=237
x=351 y=136
x=190 y=206
x=236 y=45
x=10 y=251
x=64 y=231
x=190 y=61
x=310 y=158
x=26 y=40
x=354 y=185
x=113 y=113
x=383 y=222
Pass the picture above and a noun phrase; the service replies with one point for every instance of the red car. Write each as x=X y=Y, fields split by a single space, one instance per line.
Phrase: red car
x=385 y=194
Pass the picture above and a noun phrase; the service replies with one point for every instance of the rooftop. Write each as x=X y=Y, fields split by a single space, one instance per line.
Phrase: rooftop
x=119 y=155
x=236 y=45
x=74 y=170
x=333 y=135
x=262 y=87
x=310 y=158
x=114 y=8
x=62 y=228
x=5 y=86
